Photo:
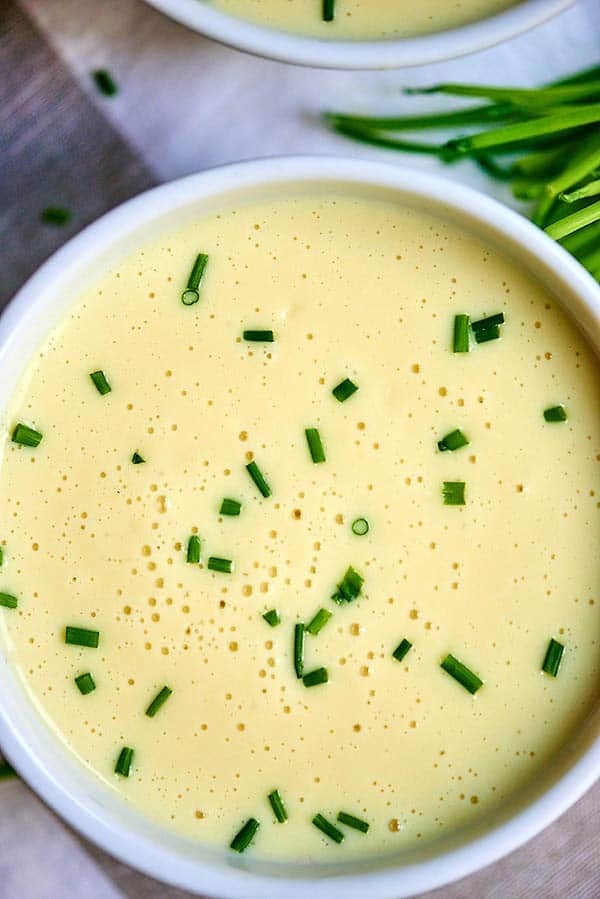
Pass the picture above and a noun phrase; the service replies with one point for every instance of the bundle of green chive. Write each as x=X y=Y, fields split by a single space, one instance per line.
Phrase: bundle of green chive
x=544 y=141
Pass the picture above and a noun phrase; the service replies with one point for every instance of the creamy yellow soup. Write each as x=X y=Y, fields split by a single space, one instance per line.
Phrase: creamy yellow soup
x=354 y=289
x=364 y=19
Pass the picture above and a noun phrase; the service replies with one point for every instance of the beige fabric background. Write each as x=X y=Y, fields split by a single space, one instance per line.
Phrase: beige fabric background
x=208 y=105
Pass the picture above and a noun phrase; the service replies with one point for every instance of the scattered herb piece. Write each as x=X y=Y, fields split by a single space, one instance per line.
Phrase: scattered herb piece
x=316 y=677
x=272 y=617
x=453 y=493
x=555 y=413
x=553 y=657
x=330 y=830
x=225 y=566
x=491 y=321
x=85 y=683
x=461 y=334
x=259 y=336
x=319 y=621
x=8 y=601
x=299 y=649
x=315 y=445
x=124 y=761
x=82 y=636
x=6 y=770
x=278 y=806
x=193 y=550
x=230 y=507
x=26 y=436
x=1 y=556
x=100 y=382
x=402 y=649
x=349 y=587
x=360 y=527
x=137 y=459
x=344 y=390
x=158 y=701
x=461 y=673
x=244 y=837
x=258 y=478
x=453 y=441
x=55 y=215
x=328 y=10
x=191 y=294
x=105 y=82
x=351 y=821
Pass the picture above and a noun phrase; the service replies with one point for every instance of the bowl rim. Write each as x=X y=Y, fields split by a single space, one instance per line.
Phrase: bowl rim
x=107 y=830
x=347 y=54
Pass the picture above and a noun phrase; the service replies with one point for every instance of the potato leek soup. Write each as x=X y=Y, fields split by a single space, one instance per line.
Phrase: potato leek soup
x=300 y=528
x=363 y=19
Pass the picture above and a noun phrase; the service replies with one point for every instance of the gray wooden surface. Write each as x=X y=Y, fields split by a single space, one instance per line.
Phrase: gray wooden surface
x=57 y=146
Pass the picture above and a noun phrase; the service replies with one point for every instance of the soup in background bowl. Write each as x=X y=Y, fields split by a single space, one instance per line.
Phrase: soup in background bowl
x=298 y=483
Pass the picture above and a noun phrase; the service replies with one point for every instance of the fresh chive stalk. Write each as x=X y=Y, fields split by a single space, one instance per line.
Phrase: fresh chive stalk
x=553 y=657
x=82 y=636
x=328 y=10
x=100 y=382
x=316 y=678
x=352 y=821
x=549 y=96
x=555 y=413
x=344 y=390
x=55 y=215
x=26 y=436
x=360 y=527
x=272 y=617
x=85 y=683
x=105 y=82
x=136 y=459
x=124 y=761
x=191 y=294
x=401 y=649
x=278 y=807
x=318 y=622
x=230 y=507
x=349 y=587
x=591 y=189
x=299 y=649
x=259 y=336
x=461 y=333
x=224 y=566
x=158 y=701
x=329 y=829
x=574 y=222
x=453 y=493
x=453 y=441
x=461 y=673
x=193 y=550
x=258 y=478
x=8 y=601
x=245 y=835
x=315 y=444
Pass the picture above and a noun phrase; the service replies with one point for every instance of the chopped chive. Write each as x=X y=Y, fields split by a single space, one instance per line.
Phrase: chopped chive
x=278 y=806
x=349 y=587
x=55 y=215
x=351 y=821
x=330 y=830
x=8 y=601
x=299 y=649
x=6 y=770
x=453 y=441
x=82 y=636
x=123 y=765
x=1 y=557
x=555 y=413
x=360 y=527
x=485 y=334
x=453 y=493
x=191 y=294
x=461 y=334
x=316 y=677
x=100 y=382
x=315 y=444
x=230 y=507
x=244 y=837
x=259 y=336
x=85 y=683
x=553 y=657
x=26 y=436
x=319 y=621
x=136 y=459
x=193 y=550
x=272 y=617
x=461 y=673
x=105 y=82
x=328 y=10
x=484 y=323
x=225 y=566
x=401 y=649
x=258 y=478
x=344 y=390
x=158 y=701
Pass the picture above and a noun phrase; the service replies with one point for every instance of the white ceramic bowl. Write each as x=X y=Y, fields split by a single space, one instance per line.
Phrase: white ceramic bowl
x=27 y=739
x=356 y=54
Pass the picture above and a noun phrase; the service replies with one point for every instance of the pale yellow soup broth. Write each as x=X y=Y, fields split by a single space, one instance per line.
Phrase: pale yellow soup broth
x=351 y=288
x=364 y=19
